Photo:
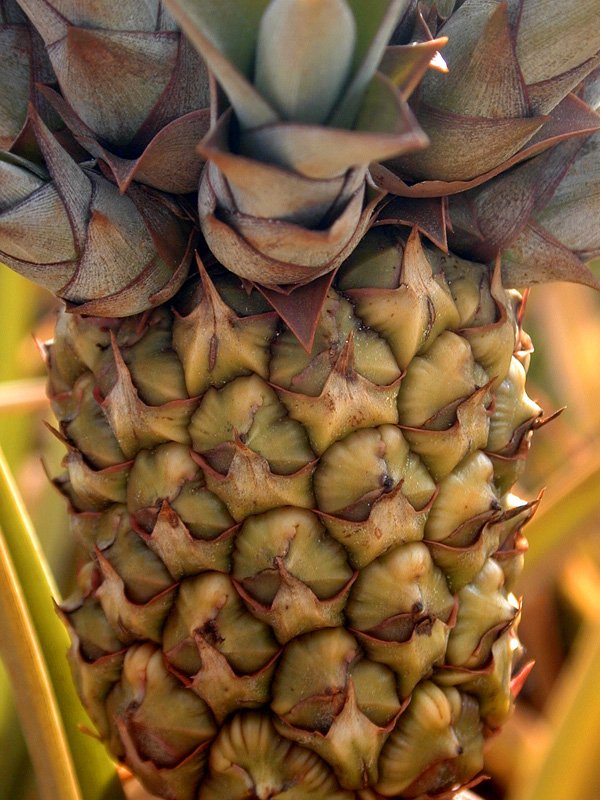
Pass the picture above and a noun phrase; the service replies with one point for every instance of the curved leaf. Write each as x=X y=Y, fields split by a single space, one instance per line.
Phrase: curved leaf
x=375 y=22
x=324 y=153
x=405 y=65
x=224 y=33
x=483 y=77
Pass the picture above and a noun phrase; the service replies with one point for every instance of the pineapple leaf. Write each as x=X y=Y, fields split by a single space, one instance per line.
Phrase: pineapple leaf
x=325 y=153
x=483 y=77
x=574 y=209
x=502 y=208
x=375 y=22
x=405 y=65
x=18 y=161
x=536 y=256
x=556 y=37
x=225 y=35
x=157 y=166
x=571 y=118
x=150 y=61
x=301 y=317
x=74 y=187
x=429 y=215
x=464 y=147
x=124 y=15
x=231 y=26
x=382 y=111
x=14 y=85
x=95 y=771
x=51 y=25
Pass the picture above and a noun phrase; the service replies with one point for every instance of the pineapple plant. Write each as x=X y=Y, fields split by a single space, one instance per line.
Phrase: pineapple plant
x=289 y=373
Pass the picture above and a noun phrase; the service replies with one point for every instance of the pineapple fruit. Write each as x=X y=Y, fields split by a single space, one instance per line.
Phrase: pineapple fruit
x=290 y=456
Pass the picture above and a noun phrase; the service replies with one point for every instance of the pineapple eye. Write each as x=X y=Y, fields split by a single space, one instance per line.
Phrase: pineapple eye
x=387 y=484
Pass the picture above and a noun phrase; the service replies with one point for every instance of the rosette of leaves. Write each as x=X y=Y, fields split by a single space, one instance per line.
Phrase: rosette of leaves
x=506 y=124
x=69 y=229
x=543 y=216
x=506 y=96
x=132 y=89
x=285 y=198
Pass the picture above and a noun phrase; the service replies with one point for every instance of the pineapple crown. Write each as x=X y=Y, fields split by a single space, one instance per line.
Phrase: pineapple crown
x=326 y=117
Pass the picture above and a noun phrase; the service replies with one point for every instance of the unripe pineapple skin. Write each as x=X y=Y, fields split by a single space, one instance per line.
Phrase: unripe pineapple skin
x=305 y=559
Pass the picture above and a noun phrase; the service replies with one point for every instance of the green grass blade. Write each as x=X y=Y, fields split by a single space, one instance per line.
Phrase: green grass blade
x=36 y=703
x=13 y=753
x=95 y=771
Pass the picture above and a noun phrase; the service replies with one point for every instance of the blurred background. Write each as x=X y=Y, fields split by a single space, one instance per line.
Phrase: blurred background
x=550 y=750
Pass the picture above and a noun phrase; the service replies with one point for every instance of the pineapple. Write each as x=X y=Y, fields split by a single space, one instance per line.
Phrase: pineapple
x=290 y=457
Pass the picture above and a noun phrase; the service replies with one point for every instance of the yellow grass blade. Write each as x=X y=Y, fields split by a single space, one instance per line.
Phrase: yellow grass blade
x=96 y=773
x=570 y=500
x=36 y=703
x=568 y=768
x=28 y=394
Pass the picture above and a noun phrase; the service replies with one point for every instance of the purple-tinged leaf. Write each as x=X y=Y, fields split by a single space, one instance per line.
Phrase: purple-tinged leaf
x=268 y=191
x=536 y=257
x=571 y=118
x=71 y=182
x=405 y=65
x=243 y=243
x=15 y=85
x=502 y=207
x=428 y=215
x=126 y=15
x=465 y=147
x=544 y=96
x=169 y=162
x=301 y=308
x=139 y=64
x=483 y=77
